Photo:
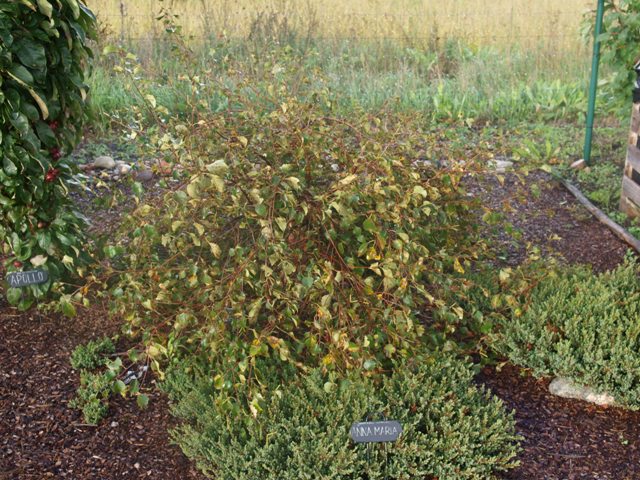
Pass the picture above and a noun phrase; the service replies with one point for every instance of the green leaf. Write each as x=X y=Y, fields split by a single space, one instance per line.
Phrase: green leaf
x=25 y=304
x=369 y=364
x=68 y=309
x=14 y=295
x=31 y=54
x=22 y=74
x=9 y=167
x=46 y=135
x=369 y=225
x=137 y=189
x=20 y=122
x=261 y=209
x=119 y=387
x=142 y=400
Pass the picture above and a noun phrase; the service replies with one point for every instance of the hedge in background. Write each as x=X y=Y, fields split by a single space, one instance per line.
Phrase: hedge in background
x=583 y=326
x=452 y=429
x=43 y=60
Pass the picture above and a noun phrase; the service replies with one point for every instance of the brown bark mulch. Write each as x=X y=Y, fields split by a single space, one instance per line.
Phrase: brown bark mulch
x=42 y=437
x=566 y=439
x=546 y=215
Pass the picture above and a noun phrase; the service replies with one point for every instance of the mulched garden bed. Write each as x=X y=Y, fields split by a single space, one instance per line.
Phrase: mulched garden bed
x=549 y=217
x=41 y=437
x=566 y=439
x=562 y=439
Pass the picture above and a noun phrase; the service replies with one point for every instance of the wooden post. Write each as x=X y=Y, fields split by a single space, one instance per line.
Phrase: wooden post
x=630 y=196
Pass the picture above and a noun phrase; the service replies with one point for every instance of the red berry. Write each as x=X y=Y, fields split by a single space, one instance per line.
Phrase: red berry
x=55 y=154
x=17 y=264
x=53 y=125
x=51 y=175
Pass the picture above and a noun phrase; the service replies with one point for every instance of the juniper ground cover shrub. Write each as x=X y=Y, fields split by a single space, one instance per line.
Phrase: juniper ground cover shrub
x=583 y=326
x=43 y=61
x=451 y=428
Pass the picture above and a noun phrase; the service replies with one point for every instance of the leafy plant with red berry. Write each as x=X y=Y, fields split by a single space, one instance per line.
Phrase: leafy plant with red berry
x=44 y=58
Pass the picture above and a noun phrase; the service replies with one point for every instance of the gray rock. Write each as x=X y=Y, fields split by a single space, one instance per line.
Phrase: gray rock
x=567 y=388
x=123 y=169
x=144 y=175
x=105 y=162
x=501 y=166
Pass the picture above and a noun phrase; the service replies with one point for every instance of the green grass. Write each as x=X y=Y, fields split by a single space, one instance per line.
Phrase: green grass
x=452 y=82
x=525 y=104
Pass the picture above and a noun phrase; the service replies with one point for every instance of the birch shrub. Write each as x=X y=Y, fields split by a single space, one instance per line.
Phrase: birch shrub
x=297 y=239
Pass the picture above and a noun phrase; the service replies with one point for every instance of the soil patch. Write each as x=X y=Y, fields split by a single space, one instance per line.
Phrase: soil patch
x=544 y=214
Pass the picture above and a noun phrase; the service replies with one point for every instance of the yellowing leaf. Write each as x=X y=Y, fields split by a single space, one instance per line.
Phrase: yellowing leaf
x=215 y=249
x=193 y=190
x=151 y=99
x=457 y=266
x=348 y=179
x=38 y=260
x=328 y=360
x=218 y=183
x=219 y=167
x=282 y=223
x=45 y=8
x=418 y=190
x=294 y=182
x=504 y=274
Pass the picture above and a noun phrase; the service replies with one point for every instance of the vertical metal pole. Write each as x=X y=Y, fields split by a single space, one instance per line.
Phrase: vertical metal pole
x=593 y=86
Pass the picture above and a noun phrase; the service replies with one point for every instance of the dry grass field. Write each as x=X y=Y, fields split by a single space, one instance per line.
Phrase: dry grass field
x=504 y=23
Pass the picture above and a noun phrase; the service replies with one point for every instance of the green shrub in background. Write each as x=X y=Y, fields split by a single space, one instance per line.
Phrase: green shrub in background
x=452 y=429
x=583 y=326
x=620 y=38
x=43 y=60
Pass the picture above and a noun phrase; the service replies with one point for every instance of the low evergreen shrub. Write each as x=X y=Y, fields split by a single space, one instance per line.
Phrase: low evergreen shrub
x=451 y=428
x=583 y=326
x=92 y=355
